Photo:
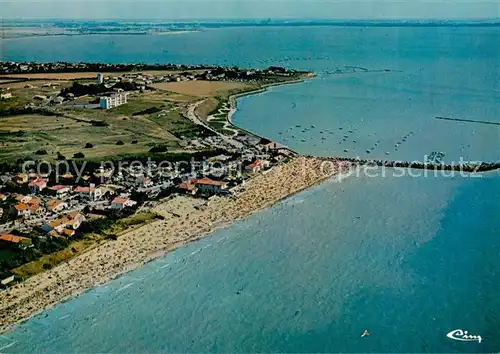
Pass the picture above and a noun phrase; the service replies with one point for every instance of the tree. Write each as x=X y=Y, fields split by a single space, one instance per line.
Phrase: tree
x=159 y=148
x=79 y=155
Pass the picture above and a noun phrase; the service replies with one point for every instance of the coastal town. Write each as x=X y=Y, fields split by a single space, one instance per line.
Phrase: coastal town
x=50 y=202
x=104 y=167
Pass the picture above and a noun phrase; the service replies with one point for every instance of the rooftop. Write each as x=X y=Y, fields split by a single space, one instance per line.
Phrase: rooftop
x=58 y=187
x=210 y=182
x=13 y=239
x=119 y=200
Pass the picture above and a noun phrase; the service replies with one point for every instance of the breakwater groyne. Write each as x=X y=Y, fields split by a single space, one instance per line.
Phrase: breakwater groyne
x=462 y=167
x=468 y=120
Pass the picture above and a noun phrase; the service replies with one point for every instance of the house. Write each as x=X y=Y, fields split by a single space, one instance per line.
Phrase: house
x=67 y=178
x=21 y=178
x=27 y=207
x=37 y=185
x=120 y=203
x=91 y=193
x=209 y=186
x=271 y=146
x=56 y=206
x=20 y=210
x=60 y=190
x=257 y=166
x=144 y=182
x=189 y=186
x=23 y=198
x=17 y=241
x=65 y=225
x=35 y=208
x=5 y=95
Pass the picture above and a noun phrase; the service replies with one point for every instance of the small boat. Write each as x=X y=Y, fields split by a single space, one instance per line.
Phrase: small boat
x=346 y=150
x=365 y=333
x=387 y=152
x=368 y=151
x=303 y=140
x=313 y=126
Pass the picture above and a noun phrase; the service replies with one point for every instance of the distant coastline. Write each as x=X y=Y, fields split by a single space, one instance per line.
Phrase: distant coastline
x=13 y=29
x=16 y=35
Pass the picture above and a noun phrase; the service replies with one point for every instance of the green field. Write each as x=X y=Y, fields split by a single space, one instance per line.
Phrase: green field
x=128 y=129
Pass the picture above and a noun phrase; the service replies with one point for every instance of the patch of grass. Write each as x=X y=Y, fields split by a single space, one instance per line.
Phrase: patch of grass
x=51 y=260
x=216 y=124
x=147 y=111
x=227 y=132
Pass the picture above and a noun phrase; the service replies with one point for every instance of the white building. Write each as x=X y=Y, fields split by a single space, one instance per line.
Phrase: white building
x=100 y=78
x=6 y=95
x=91 y=193
x=113 y=101
x=120 y=203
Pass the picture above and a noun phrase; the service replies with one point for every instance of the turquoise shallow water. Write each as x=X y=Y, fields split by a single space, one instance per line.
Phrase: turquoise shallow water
x=408 y=258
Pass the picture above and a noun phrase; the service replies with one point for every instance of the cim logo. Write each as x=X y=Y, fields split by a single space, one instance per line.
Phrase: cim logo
x=463 y=336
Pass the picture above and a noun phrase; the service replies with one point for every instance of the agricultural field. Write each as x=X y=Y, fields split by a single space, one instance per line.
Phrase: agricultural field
x=203 y=88
x=214 y=93
x=149 y=118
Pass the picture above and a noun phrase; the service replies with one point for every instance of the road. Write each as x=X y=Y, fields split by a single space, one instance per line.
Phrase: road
x=191 y=115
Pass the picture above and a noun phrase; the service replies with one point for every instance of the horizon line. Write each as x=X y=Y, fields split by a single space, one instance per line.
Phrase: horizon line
x=269 y=19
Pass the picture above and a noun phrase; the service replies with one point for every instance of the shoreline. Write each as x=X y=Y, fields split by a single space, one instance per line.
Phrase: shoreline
x=234 y=98
x=135 y=248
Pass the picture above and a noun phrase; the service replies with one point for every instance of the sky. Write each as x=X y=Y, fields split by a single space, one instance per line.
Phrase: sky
x=249 y=9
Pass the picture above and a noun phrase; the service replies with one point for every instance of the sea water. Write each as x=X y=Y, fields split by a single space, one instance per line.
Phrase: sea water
x=407 y=258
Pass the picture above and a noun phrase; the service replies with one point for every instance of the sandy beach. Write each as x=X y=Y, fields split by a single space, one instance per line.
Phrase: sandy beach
x=186 y=219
